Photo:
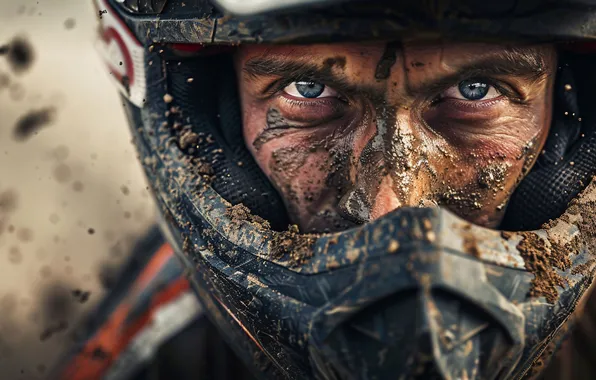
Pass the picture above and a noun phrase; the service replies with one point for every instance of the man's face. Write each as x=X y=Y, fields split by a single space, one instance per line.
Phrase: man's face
x=350 y=132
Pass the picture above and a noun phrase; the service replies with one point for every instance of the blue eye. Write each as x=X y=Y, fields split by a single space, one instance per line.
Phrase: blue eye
x=473 y=89
x=310 y=89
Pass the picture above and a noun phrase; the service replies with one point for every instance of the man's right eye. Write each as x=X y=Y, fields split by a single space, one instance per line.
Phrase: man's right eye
x=309 y=90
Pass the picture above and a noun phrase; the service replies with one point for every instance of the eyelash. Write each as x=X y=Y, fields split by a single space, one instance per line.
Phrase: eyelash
x=504 y=89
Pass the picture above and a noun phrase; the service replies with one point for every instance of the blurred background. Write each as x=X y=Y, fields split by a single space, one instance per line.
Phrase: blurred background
x=72 y=196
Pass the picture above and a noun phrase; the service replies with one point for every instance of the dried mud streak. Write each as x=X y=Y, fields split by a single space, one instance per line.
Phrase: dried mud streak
x=541 y=260
x=277 y=126
x=470 y=244
x=299 y=248
x=383 y=70
x=583 y=268
x=32 y=122
x=240 y=213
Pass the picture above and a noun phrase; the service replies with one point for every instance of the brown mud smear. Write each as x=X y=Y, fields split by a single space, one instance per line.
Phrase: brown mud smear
x=470 y=244
x=30 y=123
x=541 y=260
x=298 y=247
x=240 y=213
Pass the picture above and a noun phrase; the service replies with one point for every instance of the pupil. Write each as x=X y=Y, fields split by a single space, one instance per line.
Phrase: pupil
x=473 y=89
x=310 y=89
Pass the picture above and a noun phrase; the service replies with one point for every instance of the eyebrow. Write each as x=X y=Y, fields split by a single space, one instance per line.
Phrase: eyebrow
x=526 y=63
x=287 y=67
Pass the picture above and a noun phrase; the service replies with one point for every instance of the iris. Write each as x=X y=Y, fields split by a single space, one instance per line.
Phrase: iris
x=310 y=89
x=473 y=89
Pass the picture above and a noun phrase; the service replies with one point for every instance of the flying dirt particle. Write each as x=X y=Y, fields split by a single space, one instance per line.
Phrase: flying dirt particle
x=19 y=53
x=127 y=215
x=56 y=307
x=70 y=23
x=25 y=234
x=60 y=153
x=8 y=201
x=78 y=186
x=80 y=295
x=17 y=92
x=125 y=190
x=54 y=218
x=90 y=231
x=53 y=329
x=62 y=173
x=30 y=123
x=167 y=98
x=14 y=255
x=4 y=80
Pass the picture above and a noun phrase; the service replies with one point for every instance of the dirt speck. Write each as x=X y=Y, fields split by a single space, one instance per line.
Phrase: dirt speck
x=70 y=23
x=53 y=329
x=125 y=190
x=25 y=234
x=8 y=201
x=81 y=295
x=14 y=255
x=91 y=231
x=78 y=186
x=62 y=173
x=56 y=305
x=19 y=53
x=60 y=153
x=30 y=123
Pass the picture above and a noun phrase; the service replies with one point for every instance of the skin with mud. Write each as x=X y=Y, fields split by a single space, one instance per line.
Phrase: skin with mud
x=350 y=132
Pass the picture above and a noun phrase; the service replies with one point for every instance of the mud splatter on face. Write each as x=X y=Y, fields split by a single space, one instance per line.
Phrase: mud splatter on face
x=387 y=61
x=408 y=138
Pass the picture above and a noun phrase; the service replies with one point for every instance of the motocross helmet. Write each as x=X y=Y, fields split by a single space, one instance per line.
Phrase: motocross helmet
x=417 y=293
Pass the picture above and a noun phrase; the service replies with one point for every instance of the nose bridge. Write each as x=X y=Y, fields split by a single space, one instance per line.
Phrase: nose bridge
x=402 y=183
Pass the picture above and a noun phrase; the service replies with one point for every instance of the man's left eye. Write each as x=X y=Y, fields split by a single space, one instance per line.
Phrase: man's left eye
x=471 y=89
x=309 y=90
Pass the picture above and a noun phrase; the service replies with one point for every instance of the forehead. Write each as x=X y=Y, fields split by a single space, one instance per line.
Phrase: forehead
x=414 y=53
